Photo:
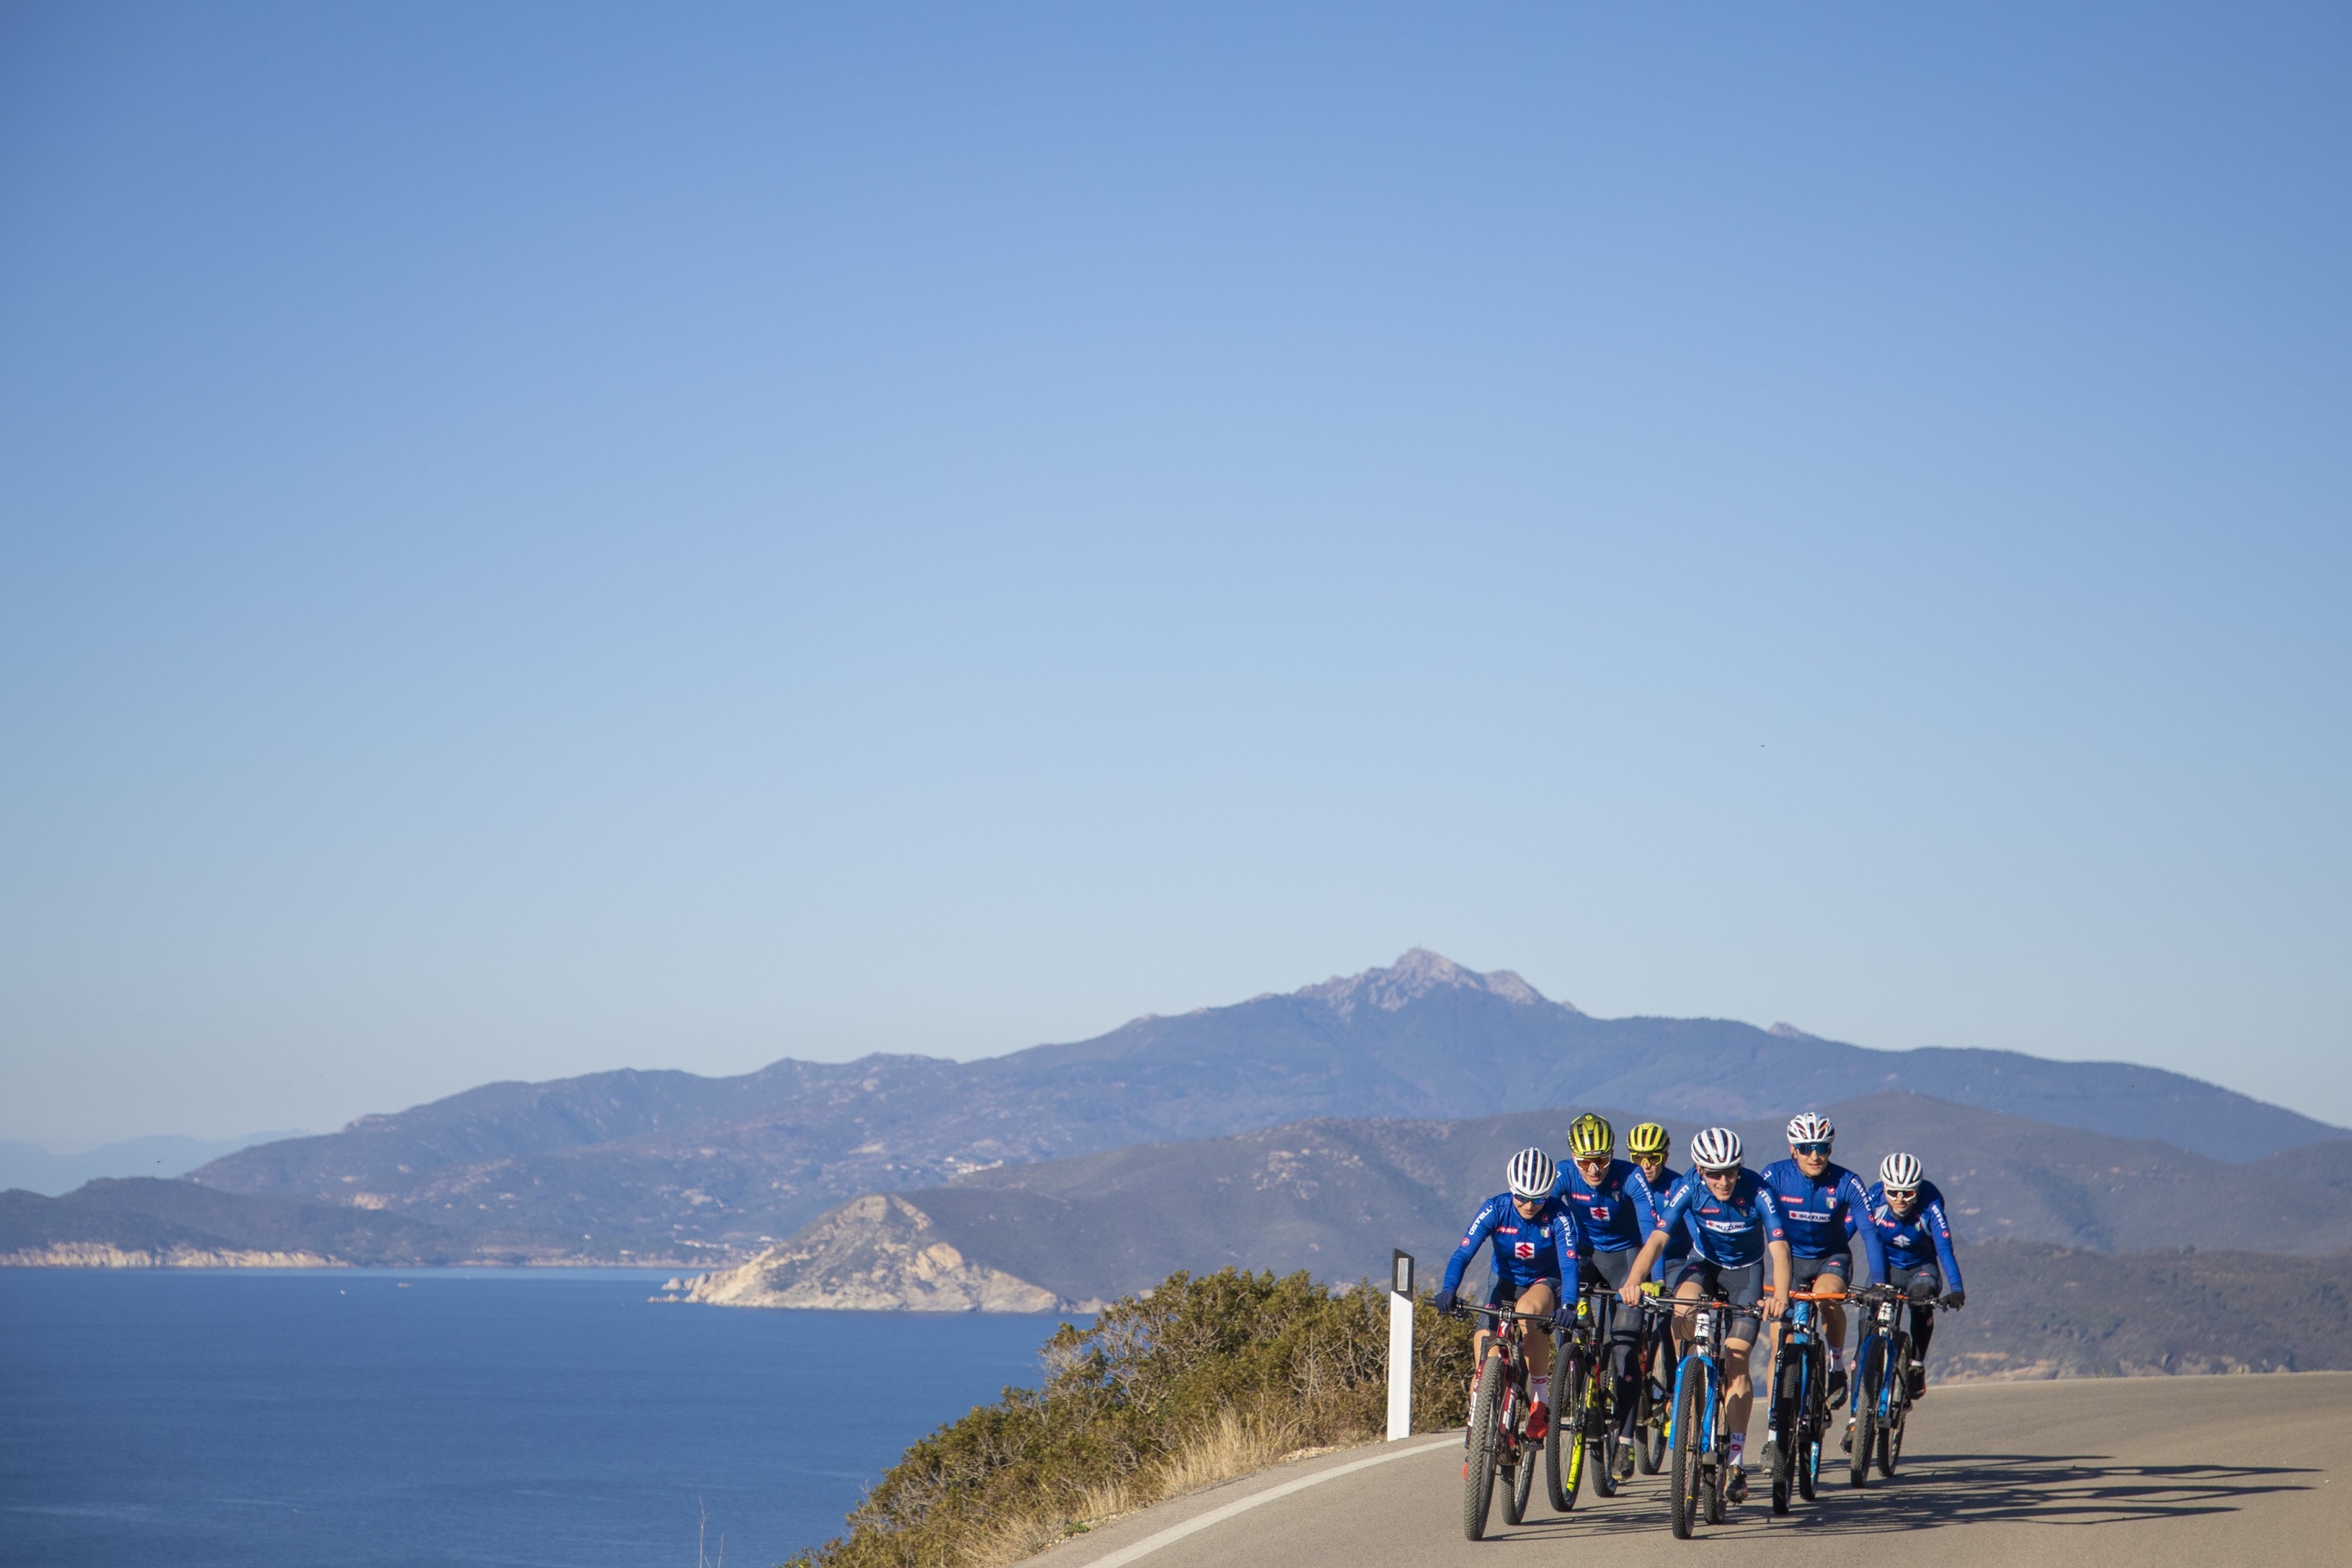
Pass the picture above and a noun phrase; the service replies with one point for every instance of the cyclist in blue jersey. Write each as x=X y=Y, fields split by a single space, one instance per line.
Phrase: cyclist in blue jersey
x=1736 y=1231
x=1907 y=1213
x=1821 y=1203
x=1614 y=1205
x=1534 y=1238
x=1650 y=1147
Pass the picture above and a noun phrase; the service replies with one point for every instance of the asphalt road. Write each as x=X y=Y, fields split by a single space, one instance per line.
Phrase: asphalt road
x=2081 y=1474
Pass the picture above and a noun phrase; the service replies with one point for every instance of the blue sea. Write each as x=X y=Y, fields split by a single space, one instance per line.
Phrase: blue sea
x=535 y=1416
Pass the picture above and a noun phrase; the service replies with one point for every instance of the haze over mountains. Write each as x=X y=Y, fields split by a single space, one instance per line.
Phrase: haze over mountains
x=670 y=1164
x=1332 y=1197
x=36 y=1169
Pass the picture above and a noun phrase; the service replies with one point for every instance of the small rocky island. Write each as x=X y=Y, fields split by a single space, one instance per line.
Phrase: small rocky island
x=874 y=1253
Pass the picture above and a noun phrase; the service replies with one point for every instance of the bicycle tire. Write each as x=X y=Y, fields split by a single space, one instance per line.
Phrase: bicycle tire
x=1865 y=1410
x=1600 y=1429
x=1563 y=1455
x=1810 y=1430
x=1519 y=1483
x=1478 y=1469
x=1683 y=1510
x=1898 y=1407
x=1788 y=1388
x=1718 y=1475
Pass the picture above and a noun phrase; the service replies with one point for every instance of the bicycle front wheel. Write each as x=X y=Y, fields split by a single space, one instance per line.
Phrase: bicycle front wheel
x=1485 y=1449
x=1563 y=1455
x=1788 y=1425
x=1686 y=1467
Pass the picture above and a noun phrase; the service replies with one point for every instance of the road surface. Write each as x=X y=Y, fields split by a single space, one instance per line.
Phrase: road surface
x=2074 y=1475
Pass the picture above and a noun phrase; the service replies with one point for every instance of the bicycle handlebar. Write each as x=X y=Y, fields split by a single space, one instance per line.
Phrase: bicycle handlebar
x=1500 y=1313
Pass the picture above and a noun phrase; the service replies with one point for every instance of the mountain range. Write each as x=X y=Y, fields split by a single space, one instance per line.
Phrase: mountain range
x=674 y=1166
x=1333 y=1197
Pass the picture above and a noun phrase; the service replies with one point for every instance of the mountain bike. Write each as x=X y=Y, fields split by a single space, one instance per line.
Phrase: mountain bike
x=1881 y=1382
x=1498 y=1442
x=1799 y=1414
x=1584 y=1413
x=1699 y=1444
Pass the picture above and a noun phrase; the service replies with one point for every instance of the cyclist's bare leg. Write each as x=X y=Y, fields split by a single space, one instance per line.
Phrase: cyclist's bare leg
x=1537 y=1298
x=1738 y=1390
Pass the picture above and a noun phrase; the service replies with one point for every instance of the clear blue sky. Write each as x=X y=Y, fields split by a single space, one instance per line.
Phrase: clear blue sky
x=545 y=537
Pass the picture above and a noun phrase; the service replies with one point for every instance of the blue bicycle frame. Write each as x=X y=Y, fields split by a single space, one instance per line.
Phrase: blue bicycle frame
x=1707 y=1364
x=1871 y=1358
x=1697 y=1457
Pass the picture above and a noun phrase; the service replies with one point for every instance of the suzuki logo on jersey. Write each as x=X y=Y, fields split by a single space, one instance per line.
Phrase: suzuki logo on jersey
x=1597 y=1210
x=1731 y=1227
x=1809 y=1214
x=1523 y=1251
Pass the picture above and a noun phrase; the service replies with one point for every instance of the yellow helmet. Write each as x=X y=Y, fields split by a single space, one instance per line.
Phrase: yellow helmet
x=1649 y=1138
x=1590 y=1137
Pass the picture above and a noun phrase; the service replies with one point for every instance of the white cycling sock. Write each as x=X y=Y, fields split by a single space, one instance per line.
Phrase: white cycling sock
x=1837 y=1359
x=1738 y=1448
x=1543 y=1390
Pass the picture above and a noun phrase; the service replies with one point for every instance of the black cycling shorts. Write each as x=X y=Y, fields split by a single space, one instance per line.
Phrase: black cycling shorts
x=1743 y=1287
x=1802 y=1272
x=1900 y=1278
x=1506 y=1295
x=1609 y=1268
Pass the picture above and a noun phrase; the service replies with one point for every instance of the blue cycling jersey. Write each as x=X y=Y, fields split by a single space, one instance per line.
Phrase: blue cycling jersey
x=1924 y=1237
x=1617 y=1213
x=1730 y=1232
x=1819 y=1212
x=1526 y=1250
x=1678 y=1241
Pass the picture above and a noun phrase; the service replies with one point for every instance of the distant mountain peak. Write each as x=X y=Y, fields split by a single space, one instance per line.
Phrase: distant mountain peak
x=1416 y=975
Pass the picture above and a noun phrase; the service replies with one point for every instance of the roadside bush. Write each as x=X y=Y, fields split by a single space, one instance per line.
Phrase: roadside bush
x=1195 y=1382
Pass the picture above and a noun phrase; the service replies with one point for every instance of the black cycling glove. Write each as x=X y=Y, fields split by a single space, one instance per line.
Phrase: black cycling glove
x=1955 y=1298
x=1445 y=1302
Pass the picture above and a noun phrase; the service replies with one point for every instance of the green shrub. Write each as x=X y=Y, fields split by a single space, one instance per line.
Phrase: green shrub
x=1197 y=1379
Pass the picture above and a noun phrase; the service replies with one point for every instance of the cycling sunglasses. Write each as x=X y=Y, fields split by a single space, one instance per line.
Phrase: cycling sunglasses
x=1821 y=1148
x=1902 y=1193
x=1719 y=1170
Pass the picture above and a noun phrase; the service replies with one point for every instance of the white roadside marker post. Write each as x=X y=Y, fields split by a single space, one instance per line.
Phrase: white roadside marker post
x=1400 y=1346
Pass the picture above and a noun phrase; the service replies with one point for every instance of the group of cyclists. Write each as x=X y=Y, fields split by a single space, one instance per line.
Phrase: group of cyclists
x=1624 y=1228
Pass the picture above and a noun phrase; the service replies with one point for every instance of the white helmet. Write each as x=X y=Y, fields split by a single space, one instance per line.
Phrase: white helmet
x=1715 y=1149
x=1902 y=1172
x=1810 y=1127
x=1532 y=1175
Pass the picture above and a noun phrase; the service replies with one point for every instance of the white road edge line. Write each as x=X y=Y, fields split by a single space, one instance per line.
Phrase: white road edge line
x=1176 y=1533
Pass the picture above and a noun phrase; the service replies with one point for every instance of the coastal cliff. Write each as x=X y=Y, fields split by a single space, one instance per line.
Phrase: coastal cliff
x=876 y=1253
x=100 y=1255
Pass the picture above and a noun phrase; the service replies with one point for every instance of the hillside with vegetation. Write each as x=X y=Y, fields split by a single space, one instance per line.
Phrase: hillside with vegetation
x=1202 y=1378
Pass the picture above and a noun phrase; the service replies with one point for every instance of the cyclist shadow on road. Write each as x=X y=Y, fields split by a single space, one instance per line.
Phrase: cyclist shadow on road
x=1949 y=1488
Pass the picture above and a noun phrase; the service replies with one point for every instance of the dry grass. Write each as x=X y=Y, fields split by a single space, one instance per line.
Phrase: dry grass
x=1236 y=1447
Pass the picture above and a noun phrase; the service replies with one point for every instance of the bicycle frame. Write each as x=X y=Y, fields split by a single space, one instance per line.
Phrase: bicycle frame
x=1705 y=1357
x=1797 y=1421
x=1887 y=1332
